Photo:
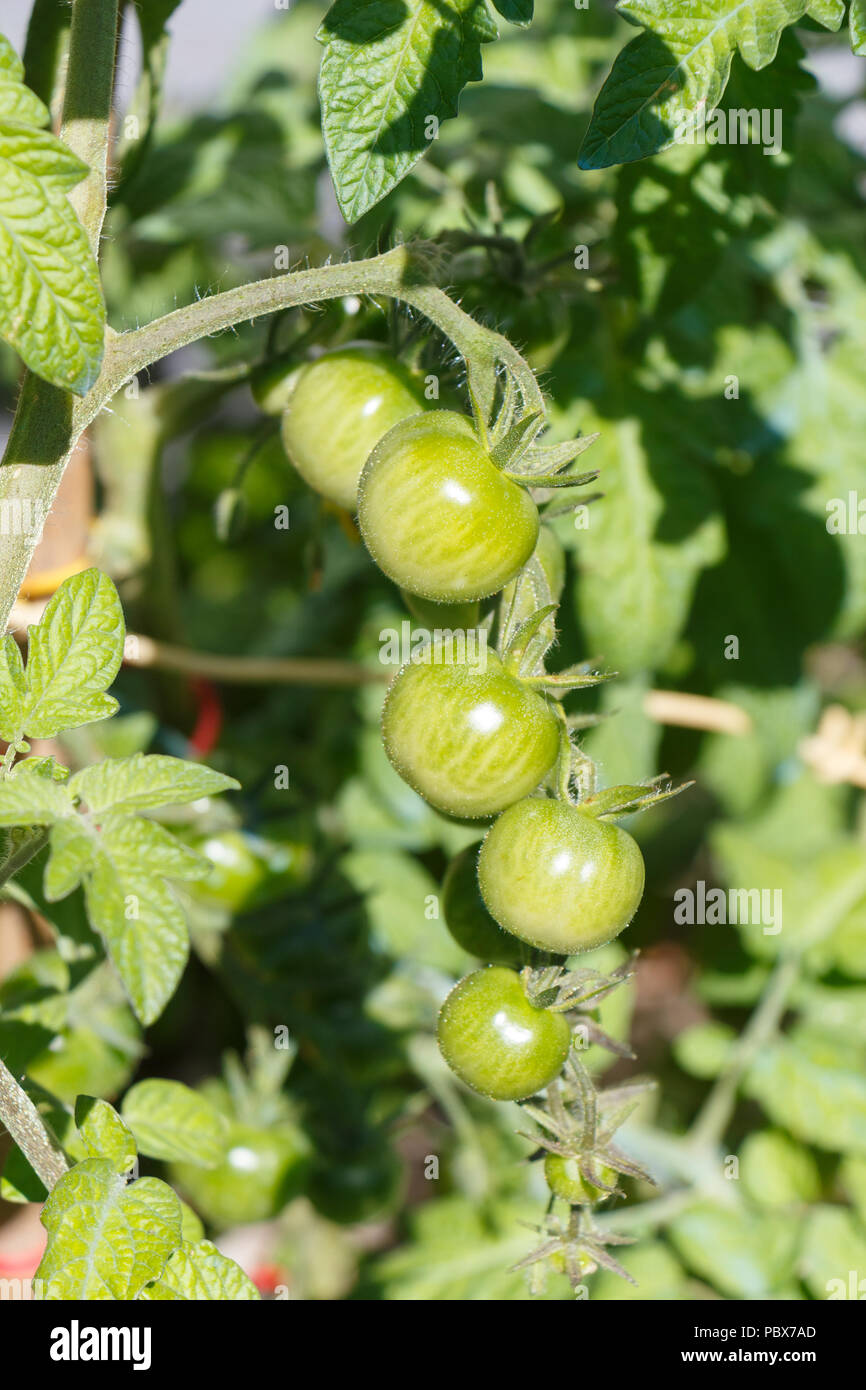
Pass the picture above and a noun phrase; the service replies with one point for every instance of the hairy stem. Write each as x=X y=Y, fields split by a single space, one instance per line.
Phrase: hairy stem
x=18 y=852
x=24 y=1123
x=49 y=422
x=86 y=126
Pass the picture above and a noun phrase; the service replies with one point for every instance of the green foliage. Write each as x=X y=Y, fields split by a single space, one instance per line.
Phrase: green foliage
x=96 y=837
x=667 y=82
x=745 y=1254
x=698 y=304
x=51 y=309
x=172 y=1122
x=387 y=69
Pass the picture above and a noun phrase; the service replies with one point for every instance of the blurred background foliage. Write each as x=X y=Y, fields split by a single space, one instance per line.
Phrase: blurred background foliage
x=716 y=337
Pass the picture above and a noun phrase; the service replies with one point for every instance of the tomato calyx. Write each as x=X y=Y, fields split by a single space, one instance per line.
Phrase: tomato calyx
x=580 y=990
x=575 y=1247
x=625 y=800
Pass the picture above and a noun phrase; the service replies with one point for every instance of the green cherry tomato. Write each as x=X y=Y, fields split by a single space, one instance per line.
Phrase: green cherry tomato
x=496 y=1041
x=261 y=1171
x=438 y=516
x=468 y=920
x=249 y=871
x=558 y=878
x=467 y=735
x=565 y=1180
x=339 y=408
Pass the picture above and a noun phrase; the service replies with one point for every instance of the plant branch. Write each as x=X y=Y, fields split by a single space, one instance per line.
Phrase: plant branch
x=87 y=106
x=49 y=422
x=248 y=670
x=19 y=853
x=24 y=1123
x=712 y=1119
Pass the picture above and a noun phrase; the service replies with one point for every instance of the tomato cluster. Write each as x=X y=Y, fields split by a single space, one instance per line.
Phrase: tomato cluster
x=470 y=730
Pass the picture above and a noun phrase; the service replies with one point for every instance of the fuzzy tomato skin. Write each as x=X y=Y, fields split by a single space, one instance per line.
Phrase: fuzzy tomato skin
x=565 y=1180
x=468 y=920
x=339 y=408
x=558 y=878
x=496 y=1041
x=261 y=1171
x=438 y=517
x=471 y=741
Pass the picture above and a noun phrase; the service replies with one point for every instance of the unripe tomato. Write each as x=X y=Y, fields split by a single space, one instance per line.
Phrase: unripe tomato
x=470 y=740
x=262 y=1170
x=467 y=918
x=565 y=1180
x=438 y=516
x=496 y=1041
x=558 y=878
x=249 y=871
x=339 y=408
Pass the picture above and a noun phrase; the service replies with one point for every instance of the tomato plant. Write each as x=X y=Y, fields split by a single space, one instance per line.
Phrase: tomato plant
x=432 y=752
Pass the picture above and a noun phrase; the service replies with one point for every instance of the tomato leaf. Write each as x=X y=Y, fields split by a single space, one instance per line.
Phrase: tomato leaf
x=29 y=795
x=834 y=1243
x=516 y=11
x=106 y=1240
x=144 y=781
x=104 y=1134
x=199 y=1271
x=820 y=1104
x=745 y=1254
x=391 y=71
x=642 y=553
x=830 y=13
x=669 y=79
x=51 y=306
x=134 y=910
x=173 y=1123
x=74 y=654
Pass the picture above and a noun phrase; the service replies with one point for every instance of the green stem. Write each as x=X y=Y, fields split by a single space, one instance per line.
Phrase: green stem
x=49 y=422
x=714 y=1116
x=24 y=1123
x=87 y=106
x=20 y=853
x=45 y=47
